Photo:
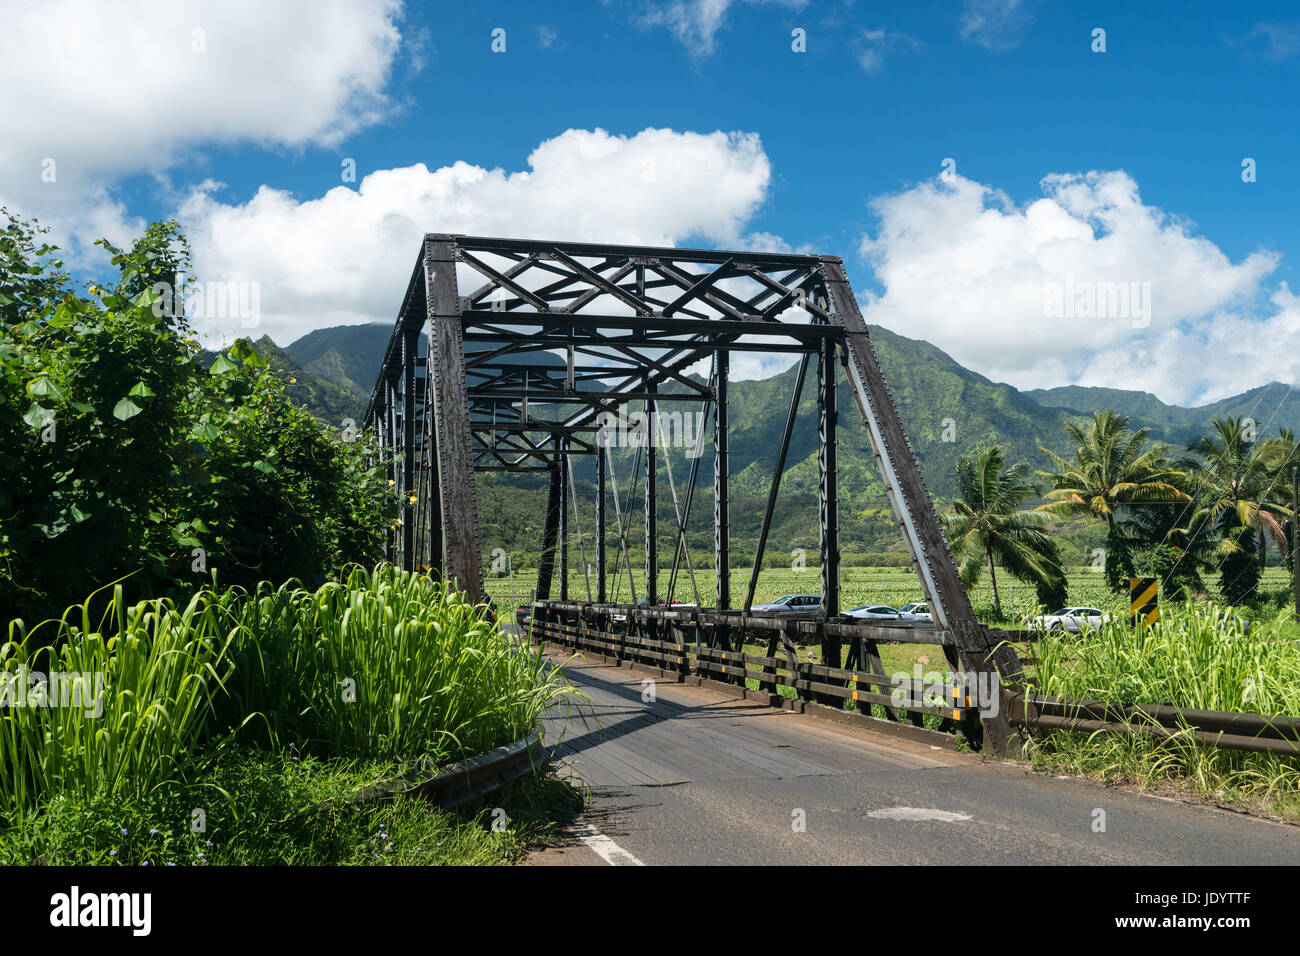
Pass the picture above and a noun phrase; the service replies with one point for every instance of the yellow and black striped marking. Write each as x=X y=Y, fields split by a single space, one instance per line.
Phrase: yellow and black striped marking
x=959 y=699
x=1144 y=600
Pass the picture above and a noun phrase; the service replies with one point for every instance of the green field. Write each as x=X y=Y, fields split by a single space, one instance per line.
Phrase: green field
x=892 y=586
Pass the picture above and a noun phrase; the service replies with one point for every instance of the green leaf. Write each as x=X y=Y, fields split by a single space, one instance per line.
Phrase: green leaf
x=141 y=390
x=145 y=299
x=126 y=409
x=38 y=416
x=77 y=514
x=207 y=432
x=42 y=387
x=243 y=351
x=61 y=318
x=222 y=365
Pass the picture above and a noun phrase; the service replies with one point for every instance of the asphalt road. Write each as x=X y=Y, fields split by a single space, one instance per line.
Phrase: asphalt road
x=698 y=777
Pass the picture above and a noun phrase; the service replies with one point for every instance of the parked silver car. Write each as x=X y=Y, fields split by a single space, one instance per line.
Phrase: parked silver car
x=791 y=604
x=620 y=617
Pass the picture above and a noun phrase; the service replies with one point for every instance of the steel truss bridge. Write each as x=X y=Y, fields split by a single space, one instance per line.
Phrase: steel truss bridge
x=473 y=380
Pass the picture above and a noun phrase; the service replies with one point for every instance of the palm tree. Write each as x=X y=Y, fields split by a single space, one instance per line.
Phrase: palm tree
x=986 y=523
x=1113 y=466
x=1237 y=481
x=1287 y=454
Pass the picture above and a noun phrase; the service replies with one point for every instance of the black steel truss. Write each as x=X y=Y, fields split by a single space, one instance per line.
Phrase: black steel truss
x=517 y=375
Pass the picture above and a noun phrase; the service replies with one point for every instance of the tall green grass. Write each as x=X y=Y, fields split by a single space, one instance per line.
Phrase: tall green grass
x=1189 y=658
x=158 y=667
x=385 y=664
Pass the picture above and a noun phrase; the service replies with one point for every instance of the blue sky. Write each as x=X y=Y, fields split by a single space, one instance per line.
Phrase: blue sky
x=1172 y=101
x=842 y=153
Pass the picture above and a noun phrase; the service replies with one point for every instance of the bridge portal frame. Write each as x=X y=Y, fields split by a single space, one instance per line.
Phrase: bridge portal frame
x=471 y=383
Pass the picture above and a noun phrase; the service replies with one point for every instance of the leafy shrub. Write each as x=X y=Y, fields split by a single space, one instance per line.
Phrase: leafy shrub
x=125 y=455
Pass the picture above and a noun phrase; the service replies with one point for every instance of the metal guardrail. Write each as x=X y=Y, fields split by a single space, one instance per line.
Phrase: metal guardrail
x=467 y=781
x=806 y=625
x=1229 y=730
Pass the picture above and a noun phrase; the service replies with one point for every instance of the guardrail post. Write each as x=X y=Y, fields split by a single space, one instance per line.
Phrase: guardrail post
x=792 y=656
x=831 y=657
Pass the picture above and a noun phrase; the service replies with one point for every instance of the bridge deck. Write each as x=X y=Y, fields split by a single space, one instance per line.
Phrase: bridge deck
x=698 y=777
x=695 y=734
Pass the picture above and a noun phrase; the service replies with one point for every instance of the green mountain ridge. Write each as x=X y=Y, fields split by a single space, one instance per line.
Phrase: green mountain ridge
x=947 y=409
x=1270 y=406
x=347 y=355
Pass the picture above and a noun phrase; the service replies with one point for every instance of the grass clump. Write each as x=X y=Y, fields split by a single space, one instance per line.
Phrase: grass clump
x=270 y=702
x=1197 y=657
x=260 y=809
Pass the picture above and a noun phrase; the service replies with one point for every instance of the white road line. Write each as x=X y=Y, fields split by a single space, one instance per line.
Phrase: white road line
x=605 y=848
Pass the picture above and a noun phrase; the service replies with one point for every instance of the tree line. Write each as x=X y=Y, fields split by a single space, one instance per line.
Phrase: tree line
x=1184 y=517
x=129 y=453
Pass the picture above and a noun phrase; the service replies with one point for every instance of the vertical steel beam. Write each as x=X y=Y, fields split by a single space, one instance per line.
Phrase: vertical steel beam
x=601 y=529
x=828 y=485
x=577 y=522
x=410 y=346
x=394 y=475
x=430 y=491
x=651 y=504
x=561 y=465
x=546 y=566
x=462 y=562
x=721 y=471
x=914 y=508
x=385 y=456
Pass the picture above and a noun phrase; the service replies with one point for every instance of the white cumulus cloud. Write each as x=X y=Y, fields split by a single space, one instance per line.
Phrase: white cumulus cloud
x=1034 y=294
x=97 y=89
x=345 y=256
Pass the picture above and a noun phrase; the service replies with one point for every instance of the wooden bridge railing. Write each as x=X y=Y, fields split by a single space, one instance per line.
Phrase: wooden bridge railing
x=709 y=645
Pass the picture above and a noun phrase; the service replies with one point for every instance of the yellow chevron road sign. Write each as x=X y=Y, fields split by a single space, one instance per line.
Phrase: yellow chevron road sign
x=1144 y=598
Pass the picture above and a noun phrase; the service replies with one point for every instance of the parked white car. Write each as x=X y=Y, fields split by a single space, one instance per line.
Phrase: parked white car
x=1072 y=619
x=916 y=611
x=873 y=612
x=620 y=617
